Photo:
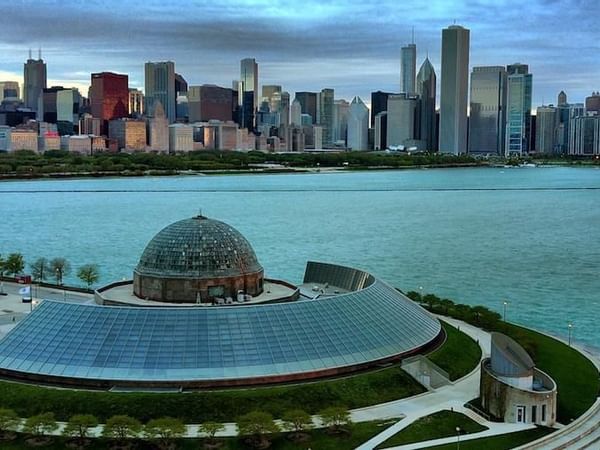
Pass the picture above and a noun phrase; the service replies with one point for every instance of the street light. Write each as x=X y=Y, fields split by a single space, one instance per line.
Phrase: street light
x=570 y=326
x=457 y=438
x=505 y=304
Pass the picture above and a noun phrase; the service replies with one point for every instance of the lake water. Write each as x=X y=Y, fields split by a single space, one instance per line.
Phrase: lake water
x=529 y=236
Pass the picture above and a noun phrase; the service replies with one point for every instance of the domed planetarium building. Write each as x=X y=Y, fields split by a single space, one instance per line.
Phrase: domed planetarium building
x=200 y=313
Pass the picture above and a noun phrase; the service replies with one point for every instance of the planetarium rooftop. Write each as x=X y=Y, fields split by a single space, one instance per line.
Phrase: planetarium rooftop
x=102 y=346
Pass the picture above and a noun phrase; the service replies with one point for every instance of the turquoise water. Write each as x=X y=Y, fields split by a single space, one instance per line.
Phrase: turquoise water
x=529 y=236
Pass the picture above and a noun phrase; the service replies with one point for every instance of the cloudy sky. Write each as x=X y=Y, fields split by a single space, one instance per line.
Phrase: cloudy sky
x=352 y=46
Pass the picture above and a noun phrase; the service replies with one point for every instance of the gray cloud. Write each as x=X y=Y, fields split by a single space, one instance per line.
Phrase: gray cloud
x=349 y=45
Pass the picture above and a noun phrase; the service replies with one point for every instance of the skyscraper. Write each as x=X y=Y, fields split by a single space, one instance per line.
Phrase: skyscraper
x=284 y=107
x=9 y=90
x=34 y=80
x=488 y=110
x=269 y=89
x=181 y=85
x=401 y=112
x=562 y=98
x=426 y=90
x=546 y=129
x=308 y=102
x=518 y=107
x=109 y=97
x=358 y=125
x=408 y=68
x=592 y=103
x=160 y=85
x=158 y=130
x=455 y=83
x=136 y=102
x=296 y=113
x=379 y=101
x=325 y=114
x=341 y=109
x=248 y=94
x=210 y=102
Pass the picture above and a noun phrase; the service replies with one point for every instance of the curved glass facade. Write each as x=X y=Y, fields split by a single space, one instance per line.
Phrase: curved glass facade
x=162 y=344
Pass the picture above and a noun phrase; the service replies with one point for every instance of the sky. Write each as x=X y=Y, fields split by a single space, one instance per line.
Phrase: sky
x=352 y=46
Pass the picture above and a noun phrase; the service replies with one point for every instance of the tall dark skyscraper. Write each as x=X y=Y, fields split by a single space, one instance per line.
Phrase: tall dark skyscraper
x=248 y=94
x=160 y=85
x=34 y=81
x=379 y=101
x=180 y=84
x=455 y=85
x=308 y=103
x=109 y=97
x=426 y=90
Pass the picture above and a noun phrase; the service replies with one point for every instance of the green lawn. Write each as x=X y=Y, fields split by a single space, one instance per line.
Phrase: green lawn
x=501 y=442
x=222 y=406
x=459 y=355
x=435 y=426
x=576 y=376
x=319 y=439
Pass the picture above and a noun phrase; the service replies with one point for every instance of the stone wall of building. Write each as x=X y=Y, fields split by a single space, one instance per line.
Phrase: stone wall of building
x=501 y=399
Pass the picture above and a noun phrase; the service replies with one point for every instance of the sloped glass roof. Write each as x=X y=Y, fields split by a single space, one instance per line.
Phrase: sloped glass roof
x=216 y=343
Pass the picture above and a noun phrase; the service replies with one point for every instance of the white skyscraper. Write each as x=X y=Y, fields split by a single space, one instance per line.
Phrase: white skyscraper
x=454 y=93
x=408 y=68
x=358 y=125
x=296 y=113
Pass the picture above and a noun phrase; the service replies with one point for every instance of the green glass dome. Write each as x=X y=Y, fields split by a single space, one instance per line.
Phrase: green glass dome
x=198 y=248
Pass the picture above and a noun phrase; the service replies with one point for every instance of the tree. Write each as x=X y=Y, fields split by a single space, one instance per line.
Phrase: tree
x=210 y=429
x=40 y=269
x=2 y=266
x=79 y=426
x=40 y=424
x=60 y=268
x=9 y=421
x=14 y=264
x=256 y=425
x=335 y=417
x=297 y=420
x=121 y=427
x=89 y=274
x=164 y=431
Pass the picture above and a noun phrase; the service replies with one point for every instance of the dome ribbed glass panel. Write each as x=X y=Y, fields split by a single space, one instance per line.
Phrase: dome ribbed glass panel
x=198 y=248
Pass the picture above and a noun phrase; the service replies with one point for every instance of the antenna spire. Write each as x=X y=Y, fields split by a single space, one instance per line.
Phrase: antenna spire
x=29 y=53
x=413 y=35
x=39 y=52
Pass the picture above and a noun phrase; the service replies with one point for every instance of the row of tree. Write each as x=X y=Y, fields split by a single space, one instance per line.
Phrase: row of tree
x=43 y=269
x=255 y=428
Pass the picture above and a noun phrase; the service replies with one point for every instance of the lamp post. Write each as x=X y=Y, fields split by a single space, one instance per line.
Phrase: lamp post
x=505 y=304
x=457 y=438
x=570 y=327
x=421 y=293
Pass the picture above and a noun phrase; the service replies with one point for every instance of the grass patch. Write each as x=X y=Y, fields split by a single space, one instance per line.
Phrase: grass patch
x=459 y=355
x=501 y=442
x=221 y=406
x=575 y=375
x=435 y=426
x=319 y=439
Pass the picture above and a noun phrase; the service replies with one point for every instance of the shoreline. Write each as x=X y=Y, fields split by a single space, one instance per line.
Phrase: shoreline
x=265 y=171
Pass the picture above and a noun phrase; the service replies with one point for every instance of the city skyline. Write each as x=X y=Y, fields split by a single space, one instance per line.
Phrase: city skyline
x=288 y=41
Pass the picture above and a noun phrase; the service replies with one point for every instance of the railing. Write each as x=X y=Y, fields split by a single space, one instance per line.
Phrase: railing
x=478 y=411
